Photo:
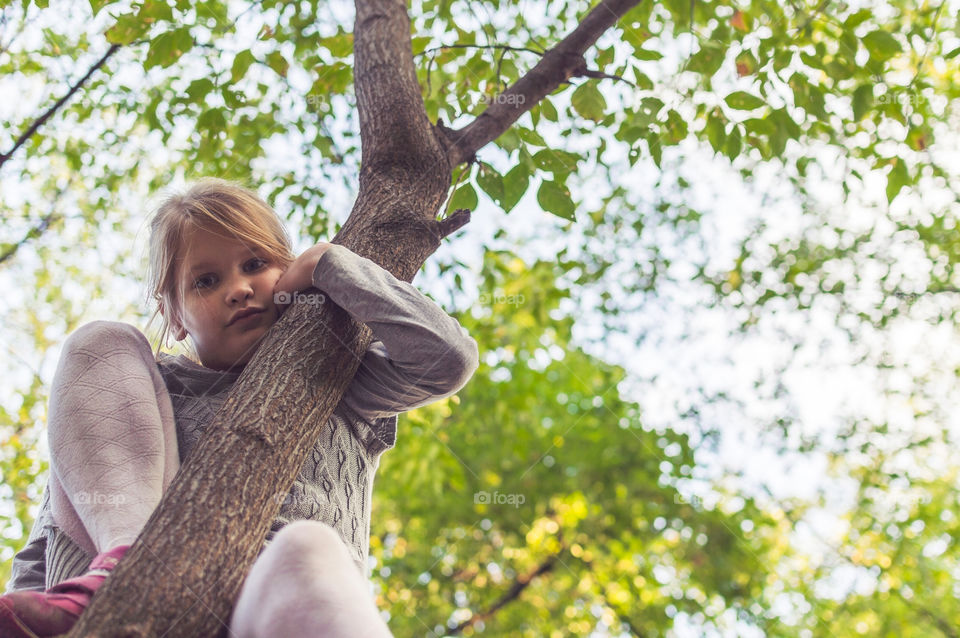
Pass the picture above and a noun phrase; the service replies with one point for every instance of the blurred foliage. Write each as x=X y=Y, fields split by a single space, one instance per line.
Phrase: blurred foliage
x=540 y=464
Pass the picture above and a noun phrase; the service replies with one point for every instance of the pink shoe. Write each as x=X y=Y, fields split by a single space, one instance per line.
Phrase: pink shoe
x=30 y=614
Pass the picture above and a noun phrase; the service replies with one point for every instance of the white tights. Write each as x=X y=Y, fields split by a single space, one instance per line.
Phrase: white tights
x=113 y=453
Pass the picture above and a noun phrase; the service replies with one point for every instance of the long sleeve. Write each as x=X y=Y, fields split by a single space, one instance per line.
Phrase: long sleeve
x=419 y=355
x=29 y=568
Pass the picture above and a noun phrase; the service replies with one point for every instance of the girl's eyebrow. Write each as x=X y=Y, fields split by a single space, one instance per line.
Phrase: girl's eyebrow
x=202 y=266
x=207 y=265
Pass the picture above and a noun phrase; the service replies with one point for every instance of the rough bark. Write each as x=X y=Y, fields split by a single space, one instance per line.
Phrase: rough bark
x=183 y=573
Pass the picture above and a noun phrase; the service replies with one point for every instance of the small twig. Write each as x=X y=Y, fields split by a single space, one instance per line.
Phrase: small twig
x=53 y=109
x=926 y=49
x=504 y=85
x=519 y=585
x=812 y=17
x=478 y=46
x=453 y=222
x=36 y=231
x=601 y=75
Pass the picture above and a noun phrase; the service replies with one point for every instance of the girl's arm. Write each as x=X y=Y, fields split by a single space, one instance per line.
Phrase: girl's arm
x=419 y=355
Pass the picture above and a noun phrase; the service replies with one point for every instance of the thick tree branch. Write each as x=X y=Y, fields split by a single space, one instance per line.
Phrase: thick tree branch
x=558 y=65
x=394 y=129
x=53 y=109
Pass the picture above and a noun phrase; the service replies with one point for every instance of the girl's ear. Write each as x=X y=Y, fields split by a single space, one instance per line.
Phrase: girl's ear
x=179 y=334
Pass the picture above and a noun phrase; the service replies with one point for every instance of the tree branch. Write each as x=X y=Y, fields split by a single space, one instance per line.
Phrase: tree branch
x=395 y=132
x=519 y=584
x=945 y=627
x=503 y=47
x=558 y=65
x=454 y=222
x=53 y=109
x=36 y=231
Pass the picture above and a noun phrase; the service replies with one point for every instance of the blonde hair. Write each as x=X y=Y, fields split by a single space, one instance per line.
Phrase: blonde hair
x=213 y=204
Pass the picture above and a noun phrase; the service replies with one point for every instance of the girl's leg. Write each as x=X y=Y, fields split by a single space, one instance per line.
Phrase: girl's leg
x=113 y=452
x=306 y=584
x=113 y=442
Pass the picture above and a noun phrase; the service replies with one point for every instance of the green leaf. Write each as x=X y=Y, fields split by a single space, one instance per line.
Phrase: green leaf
x=715 y=131
x=491 y=183
x=708 y=59
x=643 y=82
x=155 y=10
x=515 y=184
x=126 y=29
x=530 y=136
x=555 y=198
x=198 y=89
x=588 y=102
x=464 y=197
x=212 y=120
x=340 y=45
x=897 y=178
x=278 y=63
x=548 y=110
x=509 y=140
x=732 y=147
x=746 y=64
x=96 y=5
x=856 y=19
x=646 y=54
x=881 y=45
x=555 y=161
x=419 y=44
x=166 y=48
x=862 y=101
x=743 y=101
x=952 y=54
x=676 y=128
x=656 y=150
x=241 y=62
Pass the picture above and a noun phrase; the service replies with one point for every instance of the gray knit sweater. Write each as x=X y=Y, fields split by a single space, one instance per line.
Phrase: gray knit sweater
x=419 y=355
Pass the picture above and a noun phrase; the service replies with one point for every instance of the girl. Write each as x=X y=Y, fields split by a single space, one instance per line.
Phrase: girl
x=122 y=419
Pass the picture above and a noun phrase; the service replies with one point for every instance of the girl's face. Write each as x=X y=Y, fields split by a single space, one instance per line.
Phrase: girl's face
x=220 y=277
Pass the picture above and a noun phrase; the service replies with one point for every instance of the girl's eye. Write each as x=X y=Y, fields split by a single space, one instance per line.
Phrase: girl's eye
x=255 y=263
x=203 y=282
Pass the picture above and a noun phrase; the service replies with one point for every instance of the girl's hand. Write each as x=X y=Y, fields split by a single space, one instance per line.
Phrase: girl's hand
x=298 y=275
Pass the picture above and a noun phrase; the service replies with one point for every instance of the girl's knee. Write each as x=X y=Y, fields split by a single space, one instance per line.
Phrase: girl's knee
x=102 y=337
x=306 y=540
x=98 y=336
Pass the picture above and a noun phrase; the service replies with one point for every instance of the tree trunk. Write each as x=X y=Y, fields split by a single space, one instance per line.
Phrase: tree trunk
x=184 y=572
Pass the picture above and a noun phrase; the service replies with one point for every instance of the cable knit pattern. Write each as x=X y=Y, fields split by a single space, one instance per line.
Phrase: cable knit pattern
x=336 y=480
x=419 y=355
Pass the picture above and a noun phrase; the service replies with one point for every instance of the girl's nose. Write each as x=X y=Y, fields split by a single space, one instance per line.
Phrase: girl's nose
x=239 y=291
